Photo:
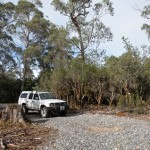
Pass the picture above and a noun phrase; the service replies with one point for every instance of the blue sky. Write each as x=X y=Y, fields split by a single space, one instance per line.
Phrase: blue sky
x=126 y=22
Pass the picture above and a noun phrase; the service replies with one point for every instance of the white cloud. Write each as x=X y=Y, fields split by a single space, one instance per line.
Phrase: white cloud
x=127 y=22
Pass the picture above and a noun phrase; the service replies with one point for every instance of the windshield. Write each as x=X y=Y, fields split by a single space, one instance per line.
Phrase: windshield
x=44 y=96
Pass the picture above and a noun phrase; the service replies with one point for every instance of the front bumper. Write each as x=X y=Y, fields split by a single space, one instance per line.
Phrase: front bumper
x=58 y=109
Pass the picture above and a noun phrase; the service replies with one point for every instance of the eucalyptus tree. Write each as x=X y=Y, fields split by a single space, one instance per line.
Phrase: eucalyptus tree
x=55 y=57
x=75 y=82
x=7 y=48
x=85 y=22
x=146 y=14
x=144 y=78
x=124 y=72
x=145 y=86
x=29 y=31
x=114 y=87
x=99 y=84
x=131 y=71
x=59 y=46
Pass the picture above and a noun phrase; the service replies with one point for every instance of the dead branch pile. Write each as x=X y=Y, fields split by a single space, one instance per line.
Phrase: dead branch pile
x=21 y=137
x=16 y=132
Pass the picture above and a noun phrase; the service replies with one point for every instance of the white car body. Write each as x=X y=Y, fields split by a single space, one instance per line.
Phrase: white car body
x=33 y=100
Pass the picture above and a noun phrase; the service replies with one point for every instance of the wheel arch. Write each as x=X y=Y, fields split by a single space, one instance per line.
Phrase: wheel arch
x=42 y=106
x=23 y=104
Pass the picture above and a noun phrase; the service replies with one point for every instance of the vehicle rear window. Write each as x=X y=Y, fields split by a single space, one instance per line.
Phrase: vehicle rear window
x=23 y=95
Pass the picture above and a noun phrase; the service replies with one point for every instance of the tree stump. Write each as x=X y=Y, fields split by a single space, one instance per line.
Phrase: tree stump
x=13 y=114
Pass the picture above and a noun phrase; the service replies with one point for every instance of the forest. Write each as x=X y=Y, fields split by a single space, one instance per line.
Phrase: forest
x=69 y=59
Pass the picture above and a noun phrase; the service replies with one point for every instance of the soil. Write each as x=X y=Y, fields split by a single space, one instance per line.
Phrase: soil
x=25 y=137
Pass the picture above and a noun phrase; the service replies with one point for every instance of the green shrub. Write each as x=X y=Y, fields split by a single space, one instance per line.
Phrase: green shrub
x=121 y=102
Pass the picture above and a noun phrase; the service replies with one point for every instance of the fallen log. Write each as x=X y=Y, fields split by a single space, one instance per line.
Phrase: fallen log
x=10 y=145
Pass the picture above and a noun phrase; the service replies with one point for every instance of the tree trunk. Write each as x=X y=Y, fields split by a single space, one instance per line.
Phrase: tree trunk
x=23 y=77
x=13 y=114
x=82 y=49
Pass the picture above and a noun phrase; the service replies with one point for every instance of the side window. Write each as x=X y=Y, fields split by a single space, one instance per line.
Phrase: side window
x=36 y=97
x=31 y=95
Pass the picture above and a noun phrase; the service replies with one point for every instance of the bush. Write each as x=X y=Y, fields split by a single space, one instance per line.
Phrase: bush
x=121 y=102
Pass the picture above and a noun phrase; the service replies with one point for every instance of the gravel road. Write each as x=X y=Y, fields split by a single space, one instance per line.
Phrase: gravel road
x=99 y=132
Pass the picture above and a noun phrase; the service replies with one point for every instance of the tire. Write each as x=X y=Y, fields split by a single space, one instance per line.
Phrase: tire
x=44 y=112
x=63 y=113
x=24 y=109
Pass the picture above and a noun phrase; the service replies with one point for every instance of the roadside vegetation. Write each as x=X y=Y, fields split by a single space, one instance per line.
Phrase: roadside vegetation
x=69 y=59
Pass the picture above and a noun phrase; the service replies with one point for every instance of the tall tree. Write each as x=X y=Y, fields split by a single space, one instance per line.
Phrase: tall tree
x=114 y=84
x=57 y=48
x=146 y=14
x=7 y=62
x=90 y=30
x=29 y=30
x=56 y=54
x=125 y=71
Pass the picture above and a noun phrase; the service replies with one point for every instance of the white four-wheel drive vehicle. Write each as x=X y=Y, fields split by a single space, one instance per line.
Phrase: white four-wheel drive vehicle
x=45 y=102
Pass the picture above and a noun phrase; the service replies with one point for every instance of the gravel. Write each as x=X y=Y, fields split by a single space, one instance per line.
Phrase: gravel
x=99 y=132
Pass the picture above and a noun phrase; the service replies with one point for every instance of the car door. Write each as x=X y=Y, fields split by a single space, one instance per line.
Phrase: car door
x=29 y=102
x=36 y=101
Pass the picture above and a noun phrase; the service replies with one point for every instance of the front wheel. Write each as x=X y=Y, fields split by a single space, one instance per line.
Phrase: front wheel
x=44 y=112
x=24 y=109
x=63 y=113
